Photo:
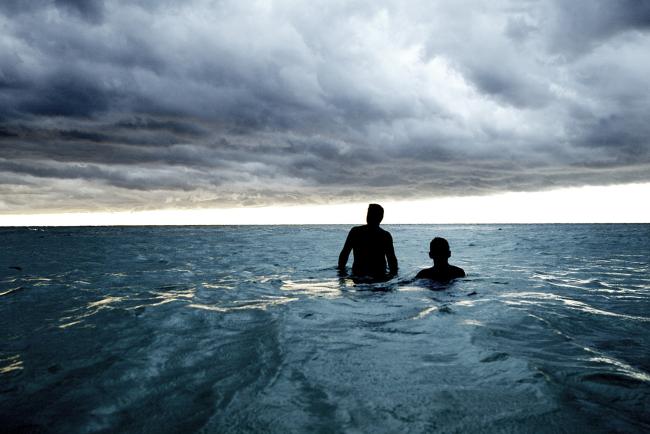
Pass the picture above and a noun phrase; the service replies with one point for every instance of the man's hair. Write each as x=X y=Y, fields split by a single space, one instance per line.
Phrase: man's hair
x=439 y=245
x=375 y=214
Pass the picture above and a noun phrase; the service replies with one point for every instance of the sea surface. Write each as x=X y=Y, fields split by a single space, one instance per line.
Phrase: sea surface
x=250 y=329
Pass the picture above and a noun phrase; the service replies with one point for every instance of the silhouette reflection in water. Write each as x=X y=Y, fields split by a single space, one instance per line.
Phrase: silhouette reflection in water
x=372 y=248
x=441 y=271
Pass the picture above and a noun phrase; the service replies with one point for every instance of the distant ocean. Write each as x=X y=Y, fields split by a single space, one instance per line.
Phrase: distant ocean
x=249 y=329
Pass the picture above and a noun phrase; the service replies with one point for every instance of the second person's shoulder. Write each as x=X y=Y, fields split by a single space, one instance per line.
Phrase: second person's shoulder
x=457 y=271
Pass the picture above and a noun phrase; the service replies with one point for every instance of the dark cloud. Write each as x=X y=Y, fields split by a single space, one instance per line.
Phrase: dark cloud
x=581 y=25
x=179 y=128
x=89 y=10
x=66 y=94
x=201 y=103
x=510 y=87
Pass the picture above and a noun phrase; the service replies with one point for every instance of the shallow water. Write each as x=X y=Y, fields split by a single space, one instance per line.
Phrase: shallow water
x=231 y=329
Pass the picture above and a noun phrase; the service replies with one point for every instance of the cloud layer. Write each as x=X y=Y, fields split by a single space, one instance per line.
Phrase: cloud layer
x=148 y=104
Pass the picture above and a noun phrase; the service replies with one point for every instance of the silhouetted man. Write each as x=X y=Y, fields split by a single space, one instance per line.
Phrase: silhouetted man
x=372 y=247
x=441 y=271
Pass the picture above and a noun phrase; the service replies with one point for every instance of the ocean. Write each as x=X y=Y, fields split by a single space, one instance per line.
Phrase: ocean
x=250 y=329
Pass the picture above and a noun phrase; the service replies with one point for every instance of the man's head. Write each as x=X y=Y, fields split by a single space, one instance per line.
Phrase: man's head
x=439 y=249
x=375 y=214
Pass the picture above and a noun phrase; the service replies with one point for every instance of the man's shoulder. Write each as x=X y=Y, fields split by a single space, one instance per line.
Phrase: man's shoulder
x=356 y=230
x=385 y=233
x=369 y=229
x=427 y=273
x=451 y=272
x=456 y=271
x=374 y=232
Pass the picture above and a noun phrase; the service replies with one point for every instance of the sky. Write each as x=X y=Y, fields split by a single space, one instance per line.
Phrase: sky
x=126 y=111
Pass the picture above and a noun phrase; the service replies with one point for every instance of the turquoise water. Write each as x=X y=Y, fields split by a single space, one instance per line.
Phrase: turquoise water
x=249 y=329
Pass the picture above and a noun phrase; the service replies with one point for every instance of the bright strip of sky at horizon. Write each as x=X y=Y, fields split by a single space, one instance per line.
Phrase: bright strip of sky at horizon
x=611 y=204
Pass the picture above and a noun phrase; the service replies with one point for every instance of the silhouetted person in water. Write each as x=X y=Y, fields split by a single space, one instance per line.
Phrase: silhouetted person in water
x=441 y=271
x=372 y=247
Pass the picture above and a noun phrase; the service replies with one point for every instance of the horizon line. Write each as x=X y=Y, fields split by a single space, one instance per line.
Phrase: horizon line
x=172 y=225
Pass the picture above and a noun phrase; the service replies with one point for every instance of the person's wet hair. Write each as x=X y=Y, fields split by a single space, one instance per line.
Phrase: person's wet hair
x=375 y=214
x=439 y=247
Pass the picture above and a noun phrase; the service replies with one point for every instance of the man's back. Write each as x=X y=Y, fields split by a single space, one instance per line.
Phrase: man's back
x=372 y=247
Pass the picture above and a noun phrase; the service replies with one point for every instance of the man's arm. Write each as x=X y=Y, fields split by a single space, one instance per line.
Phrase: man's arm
x=345 y=252
x=390 y=255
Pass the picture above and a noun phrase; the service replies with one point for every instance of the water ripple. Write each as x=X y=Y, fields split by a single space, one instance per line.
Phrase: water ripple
x=240 y=329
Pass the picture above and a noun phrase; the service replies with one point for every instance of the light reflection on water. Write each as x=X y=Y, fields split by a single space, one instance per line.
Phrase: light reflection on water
x=250 y=329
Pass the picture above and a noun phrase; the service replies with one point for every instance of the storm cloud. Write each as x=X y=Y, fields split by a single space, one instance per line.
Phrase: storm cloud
x=149 y=104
